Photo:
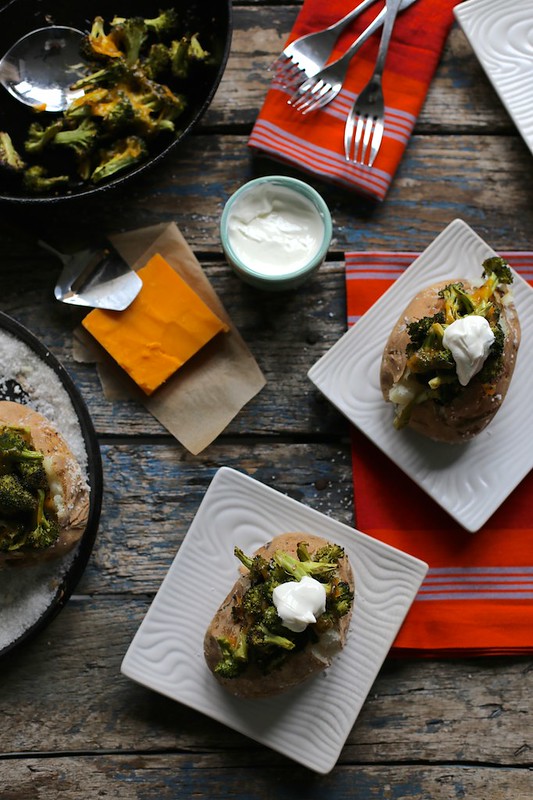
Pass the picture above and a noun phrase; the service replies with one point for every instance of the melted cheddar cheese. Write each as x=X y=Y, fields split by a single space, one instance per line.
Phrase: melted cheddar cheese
x=164 y=327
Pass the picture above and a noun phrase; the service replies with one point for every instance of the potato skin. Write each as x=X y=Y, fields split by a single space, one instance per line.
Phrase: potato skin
x=73 y=510
x=473 y=409
x=300 y=666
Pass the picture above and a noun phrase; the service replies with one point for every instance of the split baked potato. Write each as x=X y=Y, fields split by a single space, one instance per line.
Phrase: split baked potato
x=420 y=375
x=248 y=646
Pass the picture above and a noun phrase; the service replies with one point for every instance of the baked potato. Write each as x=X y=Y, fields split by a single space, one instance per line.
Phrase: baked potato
x=422 y=372
x=249 y=647
x=44 y=497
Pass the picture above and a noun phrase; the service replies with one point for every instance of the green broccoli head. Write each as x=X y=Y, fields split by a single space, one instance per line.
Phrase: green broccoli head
x=497 y=268
x=14 y=498
x=81 y=139
x=130 y=35
x=234 y=656
x=298 y=569
x=261 y=638
x=37 y=180
x=122 y=154
x=10 y=160
x=157 y=61
x=164 y=24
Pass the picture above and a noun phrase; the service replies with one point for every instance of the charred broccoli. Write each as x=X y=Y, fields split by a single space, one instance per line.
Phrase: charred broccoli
x=234 y=656
x=37 y=180
x=10 y=160
x=25 y=519
x=14 y=498
x=120 y=155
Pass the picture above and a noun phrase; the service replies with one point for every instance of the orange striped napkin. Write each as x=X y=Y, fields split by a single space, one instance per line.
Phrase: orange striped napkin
x=314 y=143
x=477 y=597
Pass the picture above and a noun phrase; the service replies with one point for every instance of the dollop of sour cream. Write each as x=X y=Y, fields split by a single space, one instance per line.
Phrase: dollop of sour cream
x=274 y=230
x=469 y=339
x=299 y=603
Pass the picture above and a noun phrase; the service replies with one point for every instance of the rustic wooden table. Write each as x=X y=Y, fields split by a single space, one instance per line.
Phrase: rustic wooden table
x=429 y=729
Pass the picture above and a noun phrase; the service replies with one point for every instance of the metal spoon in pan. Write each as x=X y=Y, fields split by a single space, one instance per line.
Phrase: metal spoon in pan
x=40 y=67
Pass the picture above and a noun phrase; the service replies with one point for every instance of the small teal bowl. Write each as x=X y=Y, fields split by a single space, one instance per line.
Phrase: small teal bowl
x=281 y=281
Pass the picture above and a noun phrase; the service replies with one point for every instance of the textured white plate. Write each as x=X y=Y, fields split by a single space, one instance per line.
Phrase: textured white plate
x=501 y=35
x=308 y=724
x=470 y=481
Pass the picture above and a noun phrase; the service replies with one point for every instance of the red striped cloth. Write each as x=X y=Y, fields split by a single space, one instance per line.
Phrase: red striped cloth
x=477 y=598
x=314 y=143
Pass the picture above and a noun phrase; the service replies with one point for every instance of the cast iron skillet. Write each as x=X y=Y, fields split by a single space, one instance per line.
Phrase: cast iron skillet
x=212 y=19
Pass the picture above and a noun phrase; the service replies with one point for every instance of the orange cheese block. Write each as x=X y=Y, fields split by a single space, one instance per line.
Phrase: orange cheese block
x=166 y=324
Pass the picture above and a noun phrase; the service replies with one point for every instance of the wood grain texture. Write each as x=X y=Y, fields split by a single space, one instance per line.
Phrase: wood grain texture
x=430 y=729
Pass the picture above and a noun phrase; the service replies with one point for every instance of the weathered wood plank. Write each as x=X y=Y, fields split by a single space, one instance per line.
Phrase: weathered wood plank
x=152 y=493
x=486 y=180
x=458 y=713
x=167 y=777
x=183 y=776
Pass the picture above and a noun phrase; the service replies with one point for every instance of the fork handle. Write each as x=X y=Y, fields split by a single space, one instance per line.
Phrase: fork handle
x=343 y=61
x=391 y=10
x=341 y=24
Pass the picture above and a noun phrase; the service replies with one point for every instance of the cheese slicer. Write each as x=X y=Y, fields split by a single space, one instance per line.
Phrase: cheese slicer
x=97 y=277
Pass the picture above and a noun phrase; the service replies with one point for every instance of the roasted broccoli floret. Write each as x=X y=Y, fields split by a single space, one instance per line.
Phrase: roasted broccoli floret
x=164 y=24
x=183 y=53
x=257 y=565
x=111 y=75
x=497 y=270
x=12 y=535
x=97 y=44
x=339 y=598
x=80 y=139
x=234 y=656
x=157 y=62
x=298 y=569
x=38 y=181
x=32 y=474
x=14 y=498
x=331 y=553
x=40 y=136
x=46 y=530
x=130 y=35
x=255 y=600
x=120 y=155
x=10 y=160
x=261 y=638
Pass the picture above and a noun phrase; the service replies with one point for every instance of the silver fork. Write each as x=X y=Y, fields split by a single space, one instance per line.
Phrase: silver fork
x=306 y=56
x=320 y=89
x=366 y=121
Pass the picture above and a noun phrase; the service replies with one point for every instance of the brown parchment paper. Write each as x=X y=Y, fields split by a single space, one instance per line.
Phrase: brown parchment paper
x=203 y=396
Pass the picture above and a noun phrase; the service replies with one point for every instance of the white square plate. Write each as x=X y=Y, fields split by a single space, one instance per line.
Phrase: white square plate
x=310 y=723
x=501 y=35
x=469 y=481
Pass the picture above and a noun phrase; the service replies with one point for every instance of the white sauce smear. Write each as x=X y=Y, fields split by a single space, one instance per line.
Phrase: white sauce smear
x=274 y=230
x=469 y=339
x=299 y=603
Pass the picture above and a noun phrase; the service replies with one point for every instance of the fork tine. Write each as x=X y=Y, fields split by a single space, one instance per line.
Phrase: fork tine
x=369 y=125
x=376 y=141
x=309 y=97
x=288 y=72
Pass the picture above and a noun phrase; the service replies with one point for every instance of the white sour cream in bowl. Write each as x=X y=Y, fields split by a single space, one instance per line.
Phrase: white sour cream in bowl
x=275 y=232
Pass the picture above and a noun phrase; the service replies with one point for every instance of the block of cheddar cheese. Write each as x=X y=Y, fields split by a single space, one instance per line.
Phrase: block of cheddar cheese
x=164 y=326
